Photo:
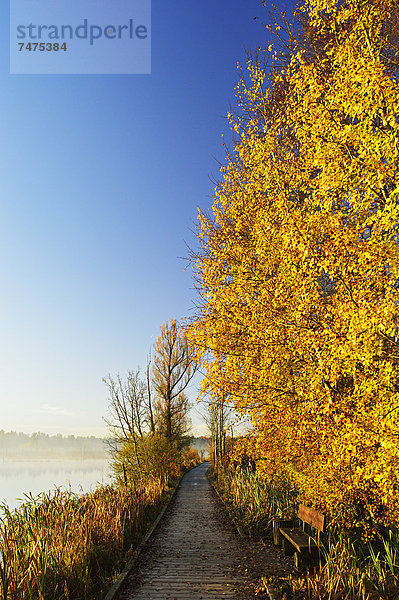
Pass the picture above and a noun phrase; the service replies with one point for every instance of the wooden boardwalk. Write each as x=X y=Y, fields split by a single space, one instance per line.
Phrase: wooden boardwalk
x=194 y=554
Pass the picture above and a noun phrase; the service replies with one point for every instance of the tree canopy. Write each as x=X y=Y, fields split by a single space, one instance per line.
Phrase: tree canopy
x=173 y=369
x=298 y=268
x=148 y=417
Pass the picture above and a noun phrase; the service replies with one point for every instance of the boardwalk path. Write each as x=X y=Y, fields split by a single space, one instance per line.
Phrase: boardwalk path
x=195 y=554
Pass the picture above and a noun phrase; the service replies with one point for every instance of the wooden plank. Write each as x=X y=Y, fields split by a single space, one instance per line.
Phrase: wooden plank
x=193 y=554
x=311 y=516
x=277 y=523
x=298 y=538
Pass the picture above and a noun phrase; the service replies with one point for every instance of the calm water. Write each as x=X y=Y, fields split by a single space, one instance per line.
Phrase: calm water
x=21 y=477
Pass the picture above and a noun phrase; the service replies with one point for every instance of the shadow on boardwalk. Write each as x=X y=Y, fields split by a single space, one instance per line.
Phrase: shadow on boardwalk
x=196 y=553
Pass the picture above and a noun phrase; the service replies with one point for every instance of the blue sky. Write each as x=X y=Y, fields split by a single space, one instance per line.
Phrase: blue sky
x=101 y=178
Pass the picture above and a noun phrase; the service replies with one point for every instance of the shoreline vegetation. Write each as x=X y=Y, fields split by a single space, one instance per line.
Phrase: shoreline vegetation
x=64 y=546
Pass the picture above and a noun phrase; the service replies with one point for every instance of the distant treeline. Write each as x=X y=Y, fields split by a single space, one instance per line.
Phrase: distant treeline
x=39 y=445
x=14 y=445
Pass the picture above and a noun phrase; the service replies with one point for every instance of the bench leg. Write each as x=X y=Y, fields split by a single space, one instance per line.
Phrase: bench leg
x=276 y=533
x=304 y=560
x=298 y=561
x=288 y=548
x=315 y=557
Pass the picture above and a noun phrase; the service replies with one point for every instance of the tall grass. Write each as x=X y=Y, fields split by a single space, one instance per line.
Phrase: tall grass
x=352 y=569
x=356 y=571
x=253 y=500
x=66 y=547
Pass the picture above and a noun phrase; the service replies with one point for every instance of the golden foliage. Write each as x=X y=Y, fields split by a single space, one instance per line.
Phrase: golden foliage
x=190 y=457
x=298 y=269
x=152 y=455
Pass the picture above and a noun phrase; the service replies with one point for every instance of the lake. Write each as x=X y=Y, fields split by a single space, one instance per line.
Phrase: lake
x=21 y=477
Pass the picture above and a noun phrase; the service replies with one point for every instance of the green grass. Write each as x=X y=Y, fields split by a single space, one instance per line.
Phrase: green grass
x=252 y=500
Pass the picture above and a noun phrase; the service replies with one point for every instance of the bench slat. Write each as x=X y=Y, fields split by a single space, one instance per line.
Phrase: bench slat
x=311 y=516
x=297 y=538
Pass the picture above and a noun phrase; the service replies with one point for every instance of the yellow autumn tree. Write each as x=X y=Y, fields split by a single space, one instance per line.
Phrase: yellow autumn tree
x=298 y=267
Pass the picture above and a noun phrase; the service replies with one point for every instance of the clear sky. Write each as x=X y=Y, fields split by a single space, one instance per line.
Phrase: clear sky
x=101 y=177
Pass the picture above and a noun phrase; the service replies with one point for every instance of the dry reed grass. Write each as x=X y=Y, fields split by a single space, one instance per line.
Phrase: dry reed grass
x=62 y=546
x=352 y=569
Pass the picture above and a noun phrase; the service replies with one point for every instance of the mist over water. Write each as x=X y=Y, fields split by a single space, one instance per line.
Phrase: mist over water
x=36 y=463
x=19 y=477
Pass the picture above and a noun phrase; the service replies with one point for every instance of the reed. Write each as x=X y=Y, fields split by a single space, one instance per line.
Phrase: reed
x=351 y=569
x=253 y=500
x=357 y=571
x=62 y=546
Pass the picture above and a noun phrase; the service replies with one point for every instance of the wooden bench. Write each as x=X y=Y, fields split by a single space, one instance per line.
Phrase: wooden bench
x=296 y=541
